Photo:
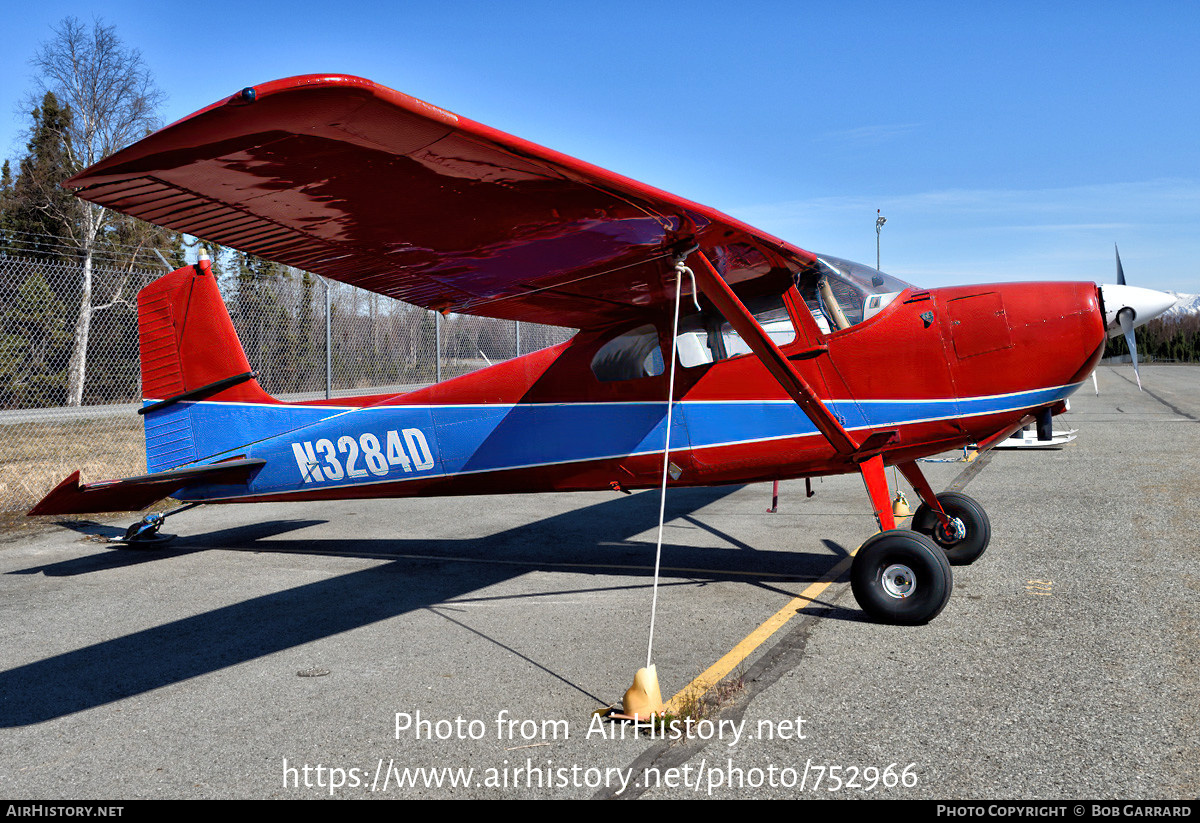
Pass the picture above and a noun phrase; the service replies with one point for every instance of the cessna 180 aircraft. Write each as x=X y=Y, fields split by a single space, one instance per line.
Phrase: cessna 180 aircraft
x=784 y=363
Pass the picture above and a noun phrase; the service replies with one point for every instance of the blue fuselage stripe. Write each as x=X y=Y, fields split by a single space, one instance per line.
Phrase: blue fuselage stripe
x=309 y=447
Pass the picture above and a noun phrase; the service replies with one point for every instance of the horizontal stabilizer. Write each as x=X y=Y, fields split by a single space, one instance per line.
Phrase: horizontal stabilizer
x=136 y=493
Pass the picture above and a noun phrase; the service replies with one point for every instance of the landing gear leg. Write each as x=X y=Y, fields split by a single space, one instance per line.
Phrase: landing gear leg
x=953 y=520
x=875 y=478
x=898 y=576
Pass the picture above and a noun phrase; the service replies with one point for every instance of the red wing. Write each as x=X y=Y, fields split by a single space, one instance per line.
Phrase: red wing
x=362 y=184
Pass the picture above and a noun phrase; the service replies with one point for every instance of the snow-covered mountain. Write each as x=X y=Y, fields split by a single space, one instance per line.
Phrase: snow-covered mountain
x=1184 y=304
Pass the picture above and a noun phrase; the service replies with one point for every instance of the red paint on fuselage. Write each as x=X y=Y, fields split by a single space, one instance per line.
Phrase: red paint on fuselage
x=959 y=342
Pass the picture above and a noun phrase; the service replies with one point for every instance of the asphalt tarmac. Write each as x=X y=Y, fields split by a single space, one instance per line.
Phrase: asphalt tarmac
x=446 y=648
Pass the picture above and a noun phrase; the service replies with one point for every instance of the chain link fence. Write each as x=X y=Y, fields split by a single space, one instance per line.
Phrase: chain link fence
x=307 y=337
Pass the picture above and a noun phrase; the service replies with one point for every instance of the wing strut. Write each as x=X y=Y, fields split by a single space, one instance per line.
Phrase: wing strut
x=867 y=454
x=717 y=290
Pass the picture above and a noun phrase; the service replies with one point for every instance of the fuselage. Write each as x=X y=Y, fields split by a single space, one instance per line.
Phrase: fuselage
x=937 y=368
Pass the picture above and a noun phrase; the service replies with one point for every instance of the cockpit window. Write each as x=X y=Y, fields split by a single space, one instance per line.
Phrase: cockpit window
x=841 y=294
x=706 y=337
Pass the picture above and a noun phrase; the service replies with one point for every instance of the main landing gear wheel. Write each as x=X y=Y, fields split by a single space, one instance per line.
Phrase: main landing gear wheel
x=962 y=545
x=901 y=577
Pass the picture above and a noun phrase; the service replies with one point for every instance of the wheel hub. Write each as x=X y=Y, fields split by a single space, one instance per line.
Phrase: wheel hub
x=899 y=581
x=952 y=532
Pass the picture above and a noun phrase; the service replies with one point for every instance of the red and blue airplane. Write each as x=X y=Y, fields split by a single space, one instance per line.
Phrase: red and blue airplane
x=789 y=364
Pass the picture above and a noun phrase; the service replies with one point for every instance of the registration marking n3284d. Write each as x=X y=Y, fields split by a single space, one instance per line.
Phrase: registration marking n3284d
x=366 y=456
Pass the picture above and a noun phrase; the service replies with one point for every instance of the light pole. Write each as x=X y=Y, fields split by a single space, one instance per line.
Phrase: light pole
x=879 y=221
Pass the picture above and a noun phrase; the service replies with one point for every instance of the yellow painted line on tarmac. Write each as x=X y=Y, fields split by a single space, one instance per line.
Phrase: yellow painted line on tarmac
x=717 y=672
x=711 y=676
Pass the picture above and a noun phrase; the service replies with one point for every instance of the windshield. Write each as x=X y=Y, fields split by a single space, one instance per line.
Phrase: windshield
x=841 y=293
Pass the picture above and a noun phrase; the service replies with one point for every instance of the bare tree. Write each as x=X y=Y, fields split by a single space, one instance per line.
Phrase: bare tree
x=113 y=101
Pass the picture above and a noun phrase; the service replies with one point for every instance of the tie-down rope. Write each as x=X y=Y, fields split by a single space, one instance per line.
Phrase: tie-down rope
x=680 y=270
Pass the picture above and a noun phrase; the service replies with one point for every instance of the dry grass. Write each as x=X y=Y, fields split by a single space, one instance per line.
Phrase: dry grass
x=700 y=704
x=36 y=457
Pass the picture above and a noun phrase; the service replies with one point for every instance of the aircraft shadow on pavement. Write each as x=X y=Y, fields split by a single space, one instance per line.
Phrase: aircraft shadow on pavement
x=117 y=556
x=424 y=573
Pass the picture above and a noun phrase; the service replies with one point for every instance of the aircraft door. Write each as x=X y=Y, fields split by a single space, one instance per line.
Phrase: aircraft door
x=889 y=350
x=631 y=416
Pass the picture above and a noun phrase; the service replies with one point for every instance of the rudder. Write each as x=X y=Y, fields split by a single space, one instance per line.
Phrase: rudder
x=189 y=352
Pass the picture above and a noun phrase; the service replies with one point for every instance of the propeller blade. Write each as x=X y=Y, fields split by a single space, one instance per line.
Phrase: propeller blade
x=1125 y=316
x=1127 y=307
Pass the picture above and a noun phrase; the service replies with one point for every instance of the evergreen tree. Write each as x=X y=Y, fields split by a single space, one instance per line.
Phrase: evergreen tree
x=267 y=330
x=36 y=208
x=310 y=354
x=1163 y=338
x=6 y=198
x=33 y=347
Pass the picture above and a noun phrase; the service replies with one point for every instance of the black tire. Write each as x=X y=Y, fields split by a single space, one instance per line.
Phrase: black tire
x=979 y=529
x=900 y=577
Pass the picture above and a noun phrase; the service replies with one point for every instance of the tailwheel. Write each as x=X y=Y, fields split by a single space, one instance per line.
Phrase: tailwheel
x=969 y=531
x=144 y=533
x=901 y=577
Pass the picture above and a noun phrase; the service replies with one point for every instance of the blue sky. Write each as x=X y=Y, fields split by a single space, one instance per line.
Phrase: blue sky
x=1003 y=141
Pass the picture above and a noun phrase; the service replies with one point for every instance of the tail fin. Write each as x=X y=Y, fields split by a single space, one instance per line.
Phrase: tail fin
x=187 y=339
x=189 y=352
